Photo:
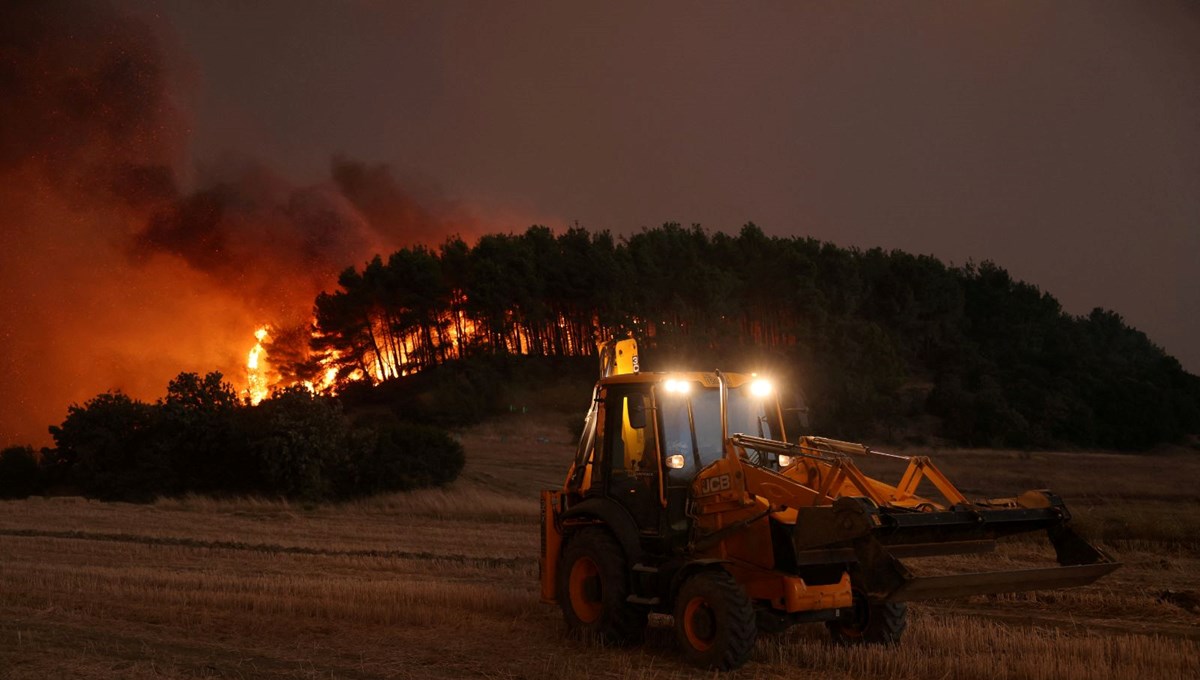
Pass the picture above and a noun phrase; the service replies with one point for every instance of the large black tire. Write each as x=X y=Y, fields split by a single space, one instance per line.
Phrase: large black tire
x=593 y=582
x=871 y=623
x=714 y=621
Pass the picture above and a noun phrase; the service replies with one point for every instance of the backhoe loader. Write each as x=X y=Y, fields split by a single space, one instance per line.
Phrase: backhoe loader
x=686 y=498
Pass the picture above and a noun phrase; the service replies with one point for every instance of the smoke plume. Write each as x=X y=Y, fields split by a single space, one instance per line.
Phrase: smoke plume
x=112 y=275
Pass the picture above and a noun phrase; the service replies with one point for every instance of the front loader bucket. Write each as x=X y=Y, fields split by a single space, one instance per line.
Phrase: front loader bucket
x=875 y=538
x=989 y=582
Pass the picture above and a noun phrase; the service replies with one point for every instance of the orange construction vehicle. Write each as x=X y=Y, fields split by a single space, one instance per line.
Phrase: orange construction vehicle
x=686 y=498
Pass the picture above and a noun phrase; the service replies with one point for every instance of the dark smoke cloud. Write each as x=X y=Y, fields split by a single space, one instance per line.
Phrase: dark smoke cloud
x=273 y=239
x=374 y=190
x=112 y=276
x=85 y=102
x=254 y=232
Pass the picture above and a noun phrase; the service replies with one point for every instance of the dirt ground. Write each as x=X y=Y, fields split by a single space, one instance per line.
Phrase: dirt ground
x=443 y=584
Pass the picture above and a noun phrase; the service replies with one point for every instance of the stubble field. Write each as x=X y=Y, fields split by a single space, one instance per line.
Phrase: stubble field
x=443 y=584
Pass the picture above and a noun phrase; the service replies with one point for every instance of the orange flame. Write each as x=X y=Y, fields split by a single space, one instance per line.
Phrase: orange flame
x=257 y=388
x=390 y=354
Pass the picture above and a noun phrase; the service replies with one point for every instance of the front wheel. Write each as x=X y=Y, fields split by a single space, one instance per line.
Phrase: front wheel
x=872 y=623
x=592 y=586
x=714 y=621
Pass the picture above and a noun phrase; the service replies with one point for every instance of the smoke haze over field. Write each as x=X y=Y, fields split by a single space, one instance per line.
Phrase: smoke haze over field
x=166 y=180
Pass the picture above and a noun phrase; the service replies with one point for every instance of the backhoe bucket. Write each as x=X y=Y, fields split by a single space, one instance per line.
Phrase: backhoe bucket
x=876 y=538
x=990 y=582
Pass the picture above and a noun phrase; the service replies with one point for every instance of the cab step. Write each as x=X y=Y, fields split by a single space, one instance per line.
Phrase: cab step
x=649 y=601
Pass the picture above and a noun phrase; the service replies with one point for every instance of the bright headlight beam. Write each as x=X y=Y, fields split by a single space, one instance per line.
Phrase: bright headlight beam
x=677 y=386
x=760 y=388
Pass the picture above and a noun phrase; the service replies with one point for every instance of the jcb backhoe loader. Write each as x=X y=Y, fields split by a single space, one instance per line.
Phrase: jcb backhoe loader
x=686 y=498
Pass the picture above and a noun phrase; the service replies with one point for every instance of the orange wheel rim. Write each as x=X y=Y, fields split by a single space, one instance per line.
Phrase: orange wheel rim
x=699 y=624
x=584 y=590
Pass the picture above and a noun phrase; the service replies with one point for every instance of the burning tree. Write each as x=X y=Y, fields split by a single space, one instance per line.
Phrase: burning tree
x=531 y=294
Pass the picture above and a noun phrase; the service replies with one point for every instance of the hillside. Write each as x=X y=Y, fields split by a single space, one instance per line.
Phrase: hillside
x=881 y=344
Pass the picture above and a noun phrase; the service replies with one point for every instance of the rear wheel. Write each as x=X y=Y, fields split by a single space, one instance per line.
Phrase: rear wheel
x=872 y=623
x=714 y=621
x=593 y=583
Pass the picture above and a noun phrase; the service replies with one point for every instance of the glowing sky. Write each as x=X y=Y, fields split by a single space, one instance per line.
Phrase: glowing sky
x=151 y=151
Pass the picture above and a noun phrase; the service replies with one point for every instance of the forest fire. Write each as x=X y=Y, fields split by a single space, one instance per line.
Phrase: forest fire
x=257 y=387
x=308 y=362
x=99 y=188
x=372 y=341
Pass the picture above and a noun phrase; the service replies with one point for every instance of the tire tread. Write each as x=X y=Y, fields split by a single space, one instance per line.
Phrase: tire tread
x=624 y=624
x=741 y=626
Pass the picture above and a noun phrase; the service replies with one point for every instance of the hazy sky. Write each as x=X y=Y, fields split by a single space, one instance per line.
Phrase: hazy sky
x=176 y=174
x=1059 y=139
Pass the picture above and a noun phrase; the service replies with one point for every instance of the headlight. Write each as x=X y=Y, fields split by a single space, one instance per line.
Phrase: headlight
x=785 y=461
x=677 y=386
x=675 y=462
x=760 y=388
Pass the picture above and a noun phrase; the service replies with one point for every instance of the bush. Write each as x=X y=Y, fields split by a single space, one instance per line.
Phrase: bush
x=201 y=439
x=454 y=394
x=400 y=456
x=19 y=476
x=199 y=431
x=301 y=443
x=109 y=443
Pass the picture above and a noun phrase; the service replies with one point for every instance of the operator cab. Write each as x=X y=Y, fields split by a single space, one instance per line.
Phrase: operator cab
x=660 y=430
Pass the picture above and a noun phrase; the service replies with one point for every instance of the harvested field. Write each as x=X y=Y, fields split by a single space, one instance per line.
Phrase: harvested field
x=442 y=584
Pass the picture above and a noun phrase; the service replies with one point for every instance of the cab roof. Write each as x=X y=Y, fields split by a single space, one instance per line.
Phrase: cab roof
x=705 y=378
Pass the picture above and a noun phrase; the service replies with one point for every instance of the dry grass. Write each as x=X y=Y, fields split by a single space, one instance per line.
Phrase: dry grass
x=442 y=584
x=955 y=646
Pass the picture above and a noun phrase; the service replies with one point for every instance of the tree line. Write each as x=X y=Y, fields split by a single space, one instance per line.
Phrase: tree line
x=203 y=438
x=884 y=344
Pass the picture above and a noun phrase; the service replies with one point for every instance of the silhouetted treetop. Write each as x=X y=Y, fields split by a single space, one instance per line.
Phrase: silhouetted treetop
x=884 y=343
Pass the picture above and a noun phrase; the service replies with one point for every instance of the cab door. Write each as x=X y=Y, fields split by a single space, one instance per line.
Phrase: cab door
x=681 y=462
x=631 y=452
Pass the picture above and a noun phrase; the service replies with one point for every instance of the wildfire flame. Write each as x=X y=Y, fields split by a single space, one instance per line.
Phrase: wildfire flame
x=395 y=355
x=261 y=380
x=325 y=382
x=257 y=388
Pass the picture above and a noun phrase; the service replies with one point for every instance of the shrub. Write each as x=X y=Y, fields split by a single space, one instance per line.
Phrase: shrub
x=398 y=456
x=109 y=444
x=201 y=439
x=18 y=472
x=301 y=443
x=199 y=431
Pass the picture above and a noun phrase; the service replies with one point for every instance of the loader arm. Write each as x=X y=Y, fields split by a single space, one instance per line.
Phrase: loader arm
x=846 y=516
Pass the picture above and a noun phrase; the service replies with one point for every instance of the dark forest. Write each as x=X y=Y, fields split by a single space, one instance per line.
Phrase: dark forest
x=883 y=344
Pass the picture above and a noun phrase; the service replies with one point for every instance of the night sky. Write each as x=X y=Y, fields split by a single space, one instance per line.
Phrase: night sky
x=1060 y=140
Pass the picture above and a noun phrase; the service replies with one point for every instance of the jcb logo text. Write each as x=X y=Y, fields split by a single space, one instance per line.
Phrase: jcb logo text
x=714 y=484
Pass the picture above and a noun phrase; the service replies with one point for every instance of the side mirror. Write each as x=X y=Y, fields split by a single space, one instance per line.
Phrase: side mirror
x=803 y=413
x=797 y=415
